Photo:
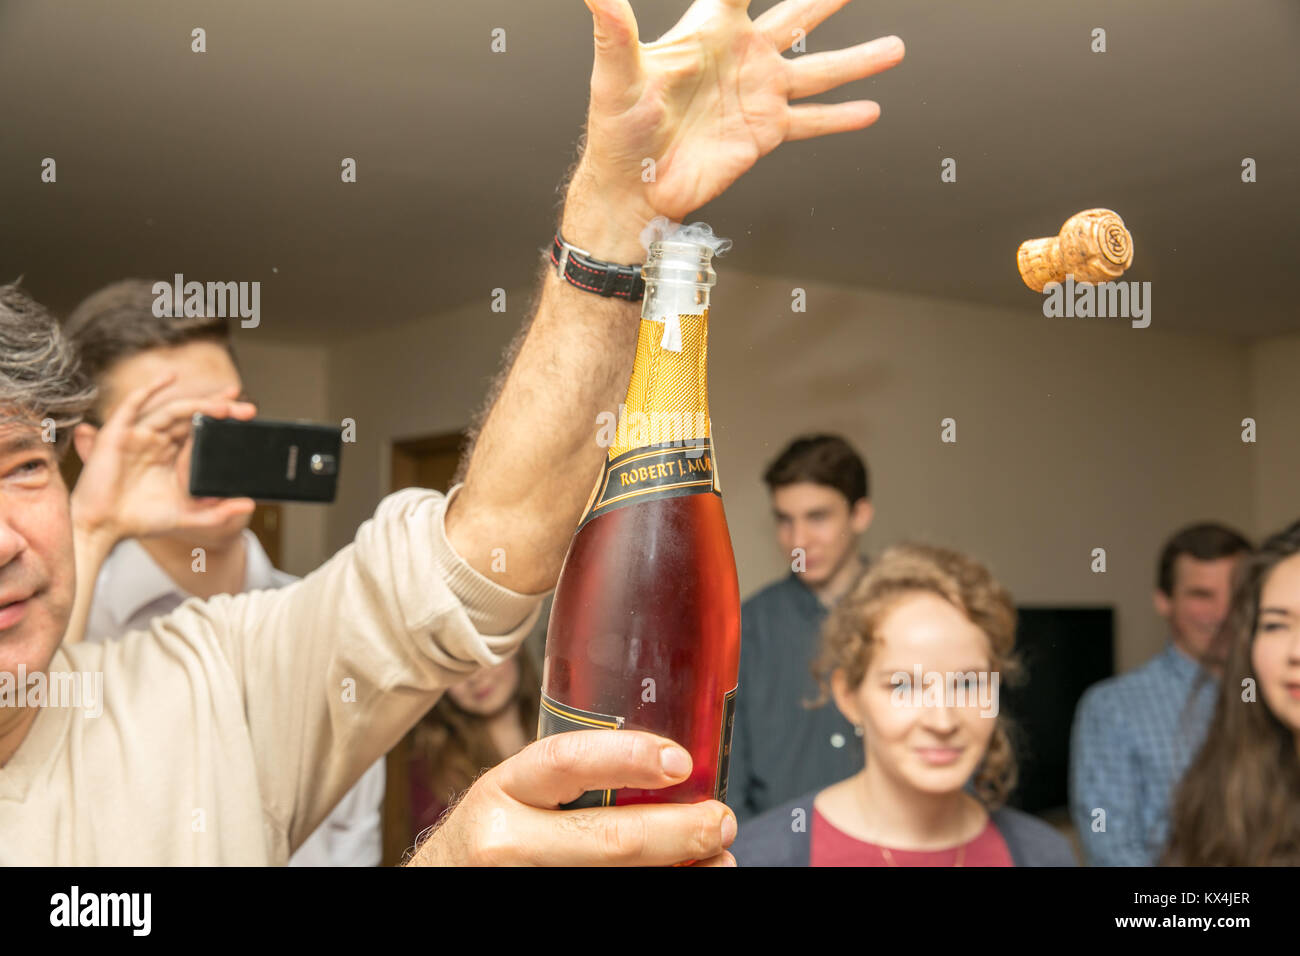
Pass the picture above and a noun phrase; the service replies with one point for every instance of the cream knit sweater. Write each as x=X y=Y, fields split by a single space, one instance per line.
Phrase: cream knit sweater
x=232 y=726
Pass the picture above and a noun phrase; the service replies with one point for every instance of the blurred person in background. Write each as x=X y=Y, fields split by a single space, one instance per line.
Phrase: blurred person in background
x=122 y=345
x=477 y=724
x=1135 y=734
x=1239 y=802
x=781 y=748
x=914 y=656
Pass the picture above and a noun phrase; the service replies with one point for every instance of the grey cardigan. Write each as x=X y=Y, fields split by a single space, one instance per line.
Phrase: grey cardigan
x=770 y=840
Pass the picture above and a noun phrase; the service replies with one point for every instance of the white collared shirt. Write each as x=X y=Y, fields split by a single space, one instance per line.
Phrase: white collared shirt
x=132 y=589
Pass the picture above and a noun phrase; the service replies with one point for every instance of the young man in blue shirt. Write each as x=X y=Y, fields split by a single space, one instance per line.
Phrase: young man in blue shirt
x=1134 y=735
x=781 y=748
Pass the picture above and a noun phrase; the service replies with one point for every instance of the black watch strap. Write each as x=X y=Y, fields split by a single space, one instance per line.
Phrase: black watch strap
x=592 y=275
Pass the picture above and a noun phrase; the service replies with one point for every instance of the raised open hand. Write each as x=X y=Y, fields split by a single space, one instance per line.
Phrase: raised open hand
x=708 y=99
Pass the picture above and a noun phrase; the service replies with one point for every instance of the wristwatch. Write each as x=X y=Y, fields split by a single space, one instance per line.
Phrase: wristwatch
x=592 y=275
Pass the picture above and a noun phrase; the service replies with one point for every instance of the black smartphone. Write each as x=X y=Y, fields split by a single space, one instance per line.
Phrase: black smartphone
x=264 y=460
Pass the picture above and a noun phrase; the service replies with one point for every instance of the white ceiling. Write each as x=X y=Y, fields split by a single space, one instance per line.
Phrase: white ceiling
x=225 y=165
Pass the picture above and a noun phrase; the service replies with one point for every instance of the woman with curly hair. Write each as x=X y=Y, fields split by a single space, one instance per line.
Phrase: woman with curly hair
x=1239 y=802
x=914 y=656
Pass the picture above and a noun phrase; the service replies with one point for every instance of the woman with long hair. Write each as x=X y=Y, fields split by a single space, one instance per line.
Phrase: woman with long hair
x=1239 y=802
x=474 y=726
x=914 y=657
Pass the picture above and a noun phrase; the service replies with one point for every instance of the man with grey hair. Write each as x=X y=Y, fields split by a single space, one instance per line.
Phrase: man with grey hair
x=231 y=726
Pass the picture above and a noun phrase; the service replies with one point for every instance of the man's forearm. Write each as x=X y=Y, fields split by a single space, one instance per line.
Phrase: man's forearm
x=91 y=549
x=536 y=458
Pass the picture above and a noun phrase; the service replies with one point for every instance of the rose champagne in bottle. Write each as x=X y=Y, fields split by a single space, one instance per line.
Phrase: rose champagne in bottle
x=645 y=627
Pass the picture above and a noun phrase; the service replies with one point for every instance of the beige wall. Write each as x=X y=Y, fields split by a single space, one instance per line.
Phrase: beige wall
x=423 y=377
x=1073 y=434
x=1275 y=406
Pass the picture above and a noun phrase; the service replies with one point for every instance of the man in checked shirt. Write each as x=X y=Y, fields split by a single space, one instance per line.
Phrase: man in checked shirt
x=1134 y=735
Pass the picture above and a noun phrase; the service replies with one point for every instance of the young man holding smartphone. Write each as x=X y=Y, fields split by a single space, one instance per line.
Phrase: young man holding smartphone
x=123 y=345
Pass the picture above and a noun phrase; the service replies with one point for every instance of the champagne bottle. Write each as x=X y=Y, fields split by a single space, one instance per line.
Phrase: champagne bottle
x=644 y=630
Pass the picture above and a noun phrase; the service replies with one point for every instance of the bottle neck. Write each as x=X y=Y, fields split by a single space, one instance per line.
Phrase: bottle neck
x=668 y=396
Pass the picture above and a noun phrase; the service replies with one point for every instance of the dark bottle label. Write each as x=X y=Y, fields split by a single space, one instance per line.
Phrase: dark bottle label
x=724 y=744
x=667 y=470
x=556 y=718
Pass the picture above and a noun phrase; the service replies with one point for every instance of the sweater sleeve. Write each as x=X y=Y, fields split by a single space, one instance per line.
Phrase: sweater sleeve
x=336 y=668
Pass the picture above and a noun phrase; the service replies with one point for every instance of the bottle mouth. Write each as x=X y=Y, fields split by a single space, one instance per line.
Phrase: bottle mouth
x=684 y=245
x=676 y=260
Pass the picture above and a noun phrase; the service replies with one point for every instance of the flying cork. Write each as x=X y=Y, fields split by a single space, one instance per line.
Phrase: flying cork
x=1093 y=246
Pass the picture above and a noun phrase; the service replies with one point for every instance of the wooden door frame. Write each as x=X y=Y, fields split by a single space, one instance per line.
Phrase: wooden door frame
x=397 y=838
